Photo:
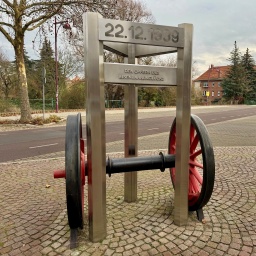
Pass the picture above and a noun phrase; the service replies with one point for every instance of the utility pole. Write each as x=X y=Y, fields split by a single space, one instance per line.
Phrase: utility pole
x=66 y=25
x=44 y=82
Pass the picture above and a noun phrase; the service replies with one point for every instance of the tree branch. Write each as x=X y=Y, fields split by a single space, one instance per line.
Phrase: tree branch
x=6 y=34
x=5 y=11
x=8 y=3
x=57 y=2
x=42 y=20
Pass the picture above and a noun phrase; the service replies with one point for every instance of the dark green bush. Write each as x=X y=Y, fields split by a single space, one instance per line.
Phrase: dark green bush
x=73 y=97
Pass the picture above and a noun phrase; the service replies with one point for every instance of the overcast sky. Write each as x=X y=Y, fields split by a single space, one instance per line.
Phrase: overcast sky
x=217 y=24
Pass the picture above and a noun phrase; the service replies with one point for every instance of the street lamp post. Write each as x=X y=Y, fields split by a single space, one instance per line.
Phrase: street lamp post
x=66 y=25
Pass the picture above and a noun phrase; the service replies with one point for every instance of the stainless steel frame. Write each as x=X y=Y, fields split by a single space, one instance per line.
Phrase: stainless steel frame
x=139 y=74
x=183 y=109
x=132 y=40
x=131 y=130
x=95 y=121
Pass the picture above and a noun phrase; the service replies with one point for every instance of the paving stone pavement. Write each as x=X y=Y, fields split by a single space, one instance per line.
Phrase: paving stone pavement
x=33 y=219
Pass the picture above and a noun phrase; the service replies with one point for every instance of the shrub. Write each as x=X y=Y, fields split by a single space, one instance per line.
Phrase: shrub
x=41 y=121
x=73 y=97
x=53 y=119
x=35 y=121
x=6 y=105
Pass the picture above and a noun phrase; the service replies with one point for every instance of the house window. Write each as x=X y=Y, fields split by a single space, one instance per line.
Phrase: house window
x=212 y=93
x=206 y=93
x=212 y=84
x=219 y=84
x=205 y=84
x=218 y=93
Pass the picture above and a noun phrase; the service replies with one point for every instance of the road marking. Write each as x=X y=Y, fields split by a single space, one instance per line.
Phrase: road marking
x=213 y=119
x=41 y=146
x=153 y=129
x=122 y=133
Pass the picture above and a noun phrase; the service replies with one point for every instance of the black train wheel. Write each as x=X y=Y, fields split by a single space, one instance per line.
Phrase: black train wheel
x=75 y=171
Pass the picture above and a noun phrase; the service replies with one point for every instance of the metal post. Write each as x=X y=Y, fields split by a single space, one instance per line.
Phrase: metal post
x=95 y=121
x=183 y=127
x=66 y=26
x=131 y=131
x=56 y=67
x=44 y=80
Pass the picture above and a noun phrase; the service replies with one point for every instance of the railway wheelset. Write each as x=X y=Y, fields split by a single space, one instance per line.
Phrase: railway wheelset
x=201 y=168
x=190 y=156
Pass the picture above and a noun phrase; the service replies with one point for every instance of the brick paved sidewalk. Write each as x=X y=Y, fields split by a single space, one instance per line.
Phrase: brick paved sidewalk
x=33 y=218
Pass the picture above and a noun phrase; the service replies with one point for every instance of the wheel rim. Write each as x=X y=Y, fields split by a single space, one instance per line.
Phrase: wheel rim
x=82 y=164
x=74 y=167
x=201 y=163
x=195 y=167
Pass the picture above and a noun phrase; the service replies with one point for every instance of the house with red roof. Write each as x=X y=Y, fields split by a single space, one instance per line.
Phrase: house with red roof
x=210 y=83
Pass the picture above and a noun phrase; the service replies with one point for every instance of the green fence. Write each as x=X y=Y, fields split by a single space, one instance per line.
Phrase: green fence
x=36 y=104
x=114 y=103
x=250 y=102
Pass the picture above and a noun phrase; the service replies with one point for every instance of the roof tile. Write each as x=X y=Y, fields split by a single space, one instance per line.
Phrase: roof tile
x=214 y=73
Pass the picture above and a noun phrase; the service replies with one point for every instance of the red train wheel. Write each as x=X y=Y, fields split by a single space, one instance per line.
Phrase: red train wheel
x=201 y=163
x=75 y=168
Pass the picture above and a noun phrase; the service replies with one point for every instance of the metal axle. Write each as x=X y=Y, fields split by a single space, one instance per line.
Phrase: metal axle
x=132 y=164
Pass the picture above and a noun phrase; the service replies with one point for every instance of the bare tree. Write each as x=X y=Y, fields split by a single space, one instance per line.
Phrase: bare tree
x=169 y=60
x=7 y=80
x=71 y=65
x=19 y=16
x=132 y=10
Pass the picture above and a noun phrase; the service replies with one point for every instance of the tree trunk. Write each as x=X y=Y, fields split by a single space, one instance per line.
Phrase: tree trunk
x=23 y=86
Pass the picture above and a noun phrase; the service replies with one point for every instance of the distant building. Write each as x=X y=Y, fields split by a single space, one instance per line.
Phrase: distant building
x=210 y=84
x=70 y=82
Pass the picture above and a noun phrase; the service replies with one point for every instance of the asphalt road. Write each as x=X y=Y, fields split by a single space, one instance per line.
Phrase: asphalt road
x=39 y=141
